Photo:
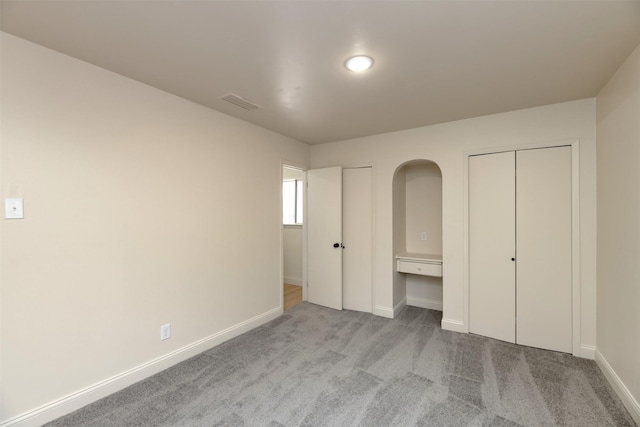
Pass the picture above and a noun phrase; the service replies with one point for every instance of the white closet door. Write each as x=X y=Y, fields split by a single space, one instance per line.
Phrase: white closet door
x=492 y=246
x=357 y=215
x=543 y=188
x=324 y=237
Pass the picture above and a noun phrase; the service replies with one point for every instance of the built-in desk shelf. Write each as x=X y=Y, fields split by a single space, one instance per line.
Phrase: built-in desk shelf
x=422 y=264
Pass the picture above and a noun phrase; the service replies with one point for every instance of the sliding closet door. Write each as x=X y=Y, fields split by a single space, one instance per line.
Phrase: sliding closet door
x=492 y=246
x=543 y=189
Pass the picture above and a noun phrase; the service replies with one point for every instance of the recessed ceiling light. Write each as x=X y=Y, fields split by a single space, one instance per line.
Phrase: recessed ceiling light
x=359 y=63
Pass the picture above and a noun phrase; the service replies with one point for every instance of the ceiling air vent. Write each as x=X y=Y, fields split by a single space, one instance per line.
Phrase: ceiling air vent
x=239 y=101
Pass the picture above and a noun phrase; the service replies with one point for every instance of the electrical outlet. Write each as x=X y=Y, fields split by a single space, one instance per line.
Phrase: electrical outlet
x=423 y=235
x=13 y=209
x=165 y=332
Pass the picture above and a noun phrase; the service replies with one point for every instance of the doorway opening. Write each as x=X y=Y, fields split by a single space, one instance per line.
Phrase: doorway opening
x=293 y=182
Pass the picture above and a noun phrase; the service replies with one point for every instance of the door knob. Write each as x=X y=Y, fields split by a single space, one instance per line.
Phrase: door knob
x=513 y=259
x=336 y=245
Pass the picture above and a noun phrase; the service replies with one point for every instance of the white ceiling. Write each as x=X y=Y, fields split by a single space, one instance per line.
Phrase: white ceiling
x=435 y=61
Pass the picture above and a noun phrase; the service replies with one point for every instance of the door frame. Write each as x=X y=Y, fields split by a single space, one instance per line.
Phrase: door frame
x=578 y=349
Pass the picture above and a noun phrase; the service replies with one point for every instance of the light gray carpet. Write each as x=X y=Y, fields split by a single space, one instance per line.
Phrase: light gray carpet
x=319 y=367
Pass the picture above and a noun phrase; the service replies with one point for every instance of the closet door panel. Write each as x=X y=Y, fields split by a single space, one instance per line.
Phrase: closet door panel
x=324 y=232
x=357 y=224
x=492 y=245
x=543 y=230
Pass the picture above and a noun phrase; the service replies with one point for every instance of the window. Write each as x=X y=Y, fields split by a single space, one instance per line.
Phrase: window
x=292 y=190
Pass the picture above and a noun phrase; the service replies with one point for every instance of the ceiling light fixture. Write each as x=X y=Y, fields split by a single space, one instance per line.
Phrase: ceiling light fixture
x=359 y=63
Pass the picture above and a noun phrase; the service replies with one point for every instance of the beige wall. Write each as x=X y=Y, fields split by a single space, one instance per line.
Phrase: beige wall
x=292 y=254
x=424 y=207
x=135 y=216
x=618 y=155
x=447 y=145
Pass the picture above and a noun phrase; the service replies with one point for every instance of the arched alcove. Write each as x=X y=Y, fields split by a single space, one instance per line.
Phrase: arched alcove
x=417 y=234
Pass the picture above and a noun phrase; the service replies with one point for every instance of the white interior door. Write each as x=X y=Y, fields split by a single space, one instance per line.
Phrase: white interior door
x=357 y=221
x=544 y=279
x=324 y=237
x=492 y=246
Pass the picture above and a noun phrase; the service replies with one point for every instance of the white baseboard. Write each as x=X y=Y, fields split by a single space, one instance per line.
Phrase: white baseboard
x=424 y=303
x=383 y=311
x=587 y=352
x=620 y=388
x=388 y=312
x=453 y=325
x=399 y=306
x=77 y=400
x=293 y=280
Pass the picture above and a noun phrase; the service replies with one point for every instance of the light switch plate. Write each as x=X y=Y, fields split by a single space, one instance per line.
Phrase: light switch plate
x=165 y=332
x=13 y=209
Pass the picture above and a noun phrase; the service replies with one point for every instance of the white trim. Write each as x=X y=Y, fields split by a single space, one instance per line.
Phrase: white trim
x=453 y=325
x=293 y=226
x=465 y=247
x=281 y=239
x=587 y=352
x=77 y=400
x=575 y=249
x=424 y=303
x=305 y=261
x=382 y=312
x=399 y=306
x=293 y=280
x=619 y=387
